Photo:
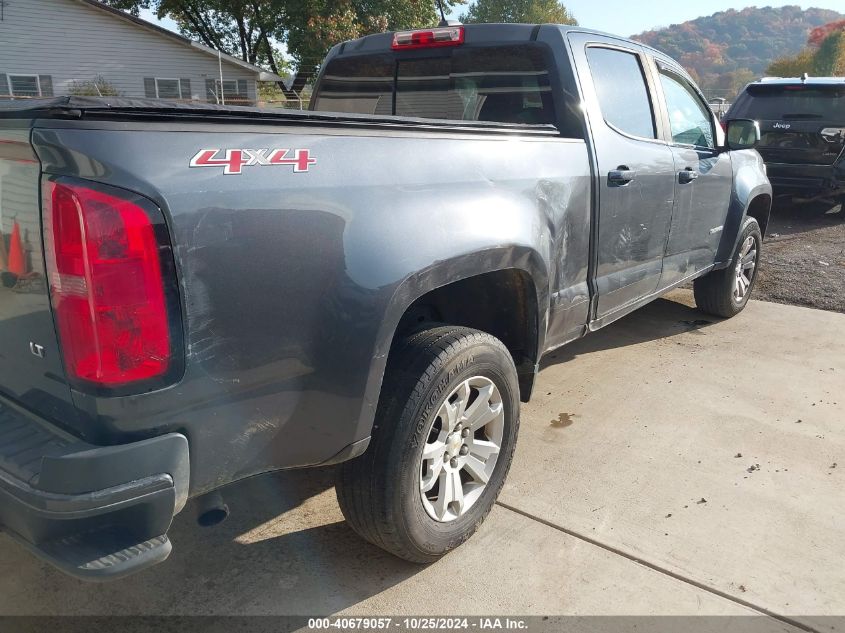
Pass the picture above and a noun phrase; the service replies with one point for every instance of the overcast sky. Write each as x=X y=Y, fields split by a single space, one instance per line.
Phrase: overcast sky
x=628 y=17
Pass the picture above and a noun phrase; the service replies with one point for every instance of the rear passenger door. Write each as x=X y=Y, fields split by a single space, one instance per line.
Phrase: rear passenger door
x=636 y=171
x=703 y=179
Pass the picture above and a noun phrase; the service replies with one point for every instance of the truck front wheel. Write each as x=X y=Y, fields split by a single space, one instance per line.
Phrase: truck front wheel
x=441 y=447
x=725 y=292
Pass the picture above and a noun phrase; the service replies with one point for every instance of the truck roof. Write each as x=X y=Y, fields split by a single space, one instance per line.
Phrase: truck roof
x=488 y=32
x=485 y=34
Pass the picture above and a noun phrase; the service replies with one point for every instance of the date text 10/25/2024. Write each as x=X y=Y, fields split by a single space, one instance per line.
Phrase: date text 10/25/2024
x=417 y=624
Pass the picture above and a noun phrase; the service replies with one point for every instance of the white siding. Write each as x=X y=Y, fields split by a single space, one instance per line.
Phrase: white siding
x=70 y=40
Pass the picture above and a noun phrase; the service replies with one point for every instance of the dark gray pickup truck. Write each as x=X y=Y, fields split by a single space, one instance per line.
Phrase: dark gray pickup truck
x=194 y=295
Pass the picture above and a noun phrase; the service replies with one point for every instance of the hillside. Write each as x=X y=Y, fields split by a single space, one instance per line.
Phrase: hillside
x=727 y=49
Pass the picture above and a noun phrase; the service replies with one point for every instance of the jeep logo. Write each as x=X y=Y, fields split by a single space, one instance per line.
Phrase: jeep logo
x=782 y=126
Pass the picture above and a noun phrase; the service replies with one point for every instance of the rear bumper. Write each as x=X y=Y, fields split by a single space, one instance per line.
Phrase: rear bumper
x=814 y=178
x=96 y=513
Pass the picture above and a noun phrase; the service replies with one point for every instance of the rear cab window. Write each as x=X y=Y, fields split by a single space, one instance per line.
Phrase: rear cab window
x=501 y=84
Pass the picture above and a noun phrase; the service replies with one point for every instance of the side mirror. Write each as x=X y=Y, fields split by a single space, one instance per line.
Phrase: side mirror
x=742 y=134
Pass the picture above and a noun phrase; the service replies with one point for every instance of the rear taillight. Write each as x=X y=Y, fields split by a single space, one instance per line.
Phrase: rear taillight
x=428 y=38
x=833 y=134
x=104 y=261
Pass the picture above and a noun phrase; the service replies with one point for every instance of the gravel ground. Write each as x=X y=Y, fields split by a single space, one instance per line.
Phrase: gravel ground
x=803 y=258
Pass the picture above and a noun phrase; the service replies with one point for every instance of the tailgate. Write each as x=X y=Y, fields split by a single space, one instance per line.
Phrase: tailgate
x=30 y=366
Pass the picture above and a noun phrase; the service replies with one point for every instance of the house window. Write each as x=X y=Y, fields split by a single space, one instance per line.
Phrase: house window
x=232 y=93
x=168 y=89
x=24 y=86
x=230 y=89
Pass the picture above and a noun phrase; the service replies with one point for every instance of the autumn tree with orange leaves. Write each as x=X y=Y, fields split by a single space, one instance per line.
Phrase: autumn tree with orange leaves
x=823 y=56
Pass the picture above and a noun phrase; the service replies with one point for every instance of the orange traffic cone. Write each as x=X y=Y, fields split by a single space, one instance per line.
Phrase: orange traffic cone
x=17 y=262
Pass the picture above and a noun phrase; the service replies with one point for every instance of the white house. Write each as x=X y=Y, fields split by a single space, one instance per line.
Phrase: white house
x=52 y=47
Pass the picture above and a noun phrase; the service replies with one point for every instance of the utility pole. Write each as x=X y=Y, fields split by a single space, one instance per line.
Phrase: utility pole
x=220 y=68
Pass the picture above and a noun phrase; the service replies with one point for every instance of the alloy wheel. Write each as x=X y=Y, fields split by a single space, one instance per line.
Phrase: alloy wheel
x=461 y=449
x=745 y=266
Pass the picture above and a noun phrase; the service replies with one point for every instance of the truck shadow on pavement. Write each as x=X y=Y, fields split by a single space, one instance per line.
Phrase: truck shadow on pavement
x=660 y=319
x=284 y=550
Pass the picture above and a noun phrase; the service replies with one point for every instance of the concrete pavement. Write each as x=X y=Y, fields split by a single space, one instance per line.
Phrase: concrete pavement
x=711 y=450
x=628 y=495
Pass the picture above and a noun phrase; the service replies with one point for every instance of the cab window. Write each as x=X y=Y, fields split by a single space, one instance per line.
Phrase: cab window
x=621 y=91
x=689 y=119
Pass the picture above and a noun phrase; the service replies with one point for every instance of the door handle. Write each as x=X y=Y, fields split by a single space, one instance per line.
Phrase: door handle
x=687 y=176
x=621 y=175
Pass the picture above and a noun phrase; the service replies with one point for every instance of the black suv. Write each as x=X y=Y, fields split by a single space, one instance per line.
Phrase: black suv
x=802 y=125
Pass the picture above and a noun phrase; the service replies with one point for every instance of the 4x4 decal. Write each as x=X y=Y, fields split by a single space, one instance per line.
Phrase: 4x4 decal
x=234 y=160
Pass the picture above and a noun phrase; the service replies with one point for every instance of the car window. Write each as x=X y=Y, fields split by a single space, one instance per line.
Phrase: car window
x=503 y=84
x=506 y=84
x=360 y=85
x=621 y=90
x=689 y=119
x=792 y=101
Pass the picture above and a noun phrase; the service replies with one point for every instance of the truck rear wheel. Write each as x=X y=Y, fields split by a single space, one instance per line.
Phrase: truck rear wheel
x=441 y=447
x=725 y=292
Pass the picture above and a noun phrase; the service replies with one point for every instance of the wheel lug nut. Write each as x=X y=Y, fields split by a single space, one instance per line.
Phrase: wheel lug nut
x=453 y=463
x=464 y=449
x=445 y=457
x=465 y=433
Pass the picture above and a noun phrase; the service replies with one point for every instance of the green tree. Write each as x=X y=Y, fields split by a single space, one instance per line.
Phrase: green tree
x=527 y=11
x=792 y=66
x=824 y=54
x=241 y=28
x=314 y=26
x=95 y=87
x=734 y=81
x=830 y=58
x=252 y=29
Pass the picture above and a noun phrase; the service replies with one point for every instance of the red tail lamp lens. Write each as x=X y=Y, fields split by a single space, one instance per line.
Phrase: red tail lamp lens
x=106 y=286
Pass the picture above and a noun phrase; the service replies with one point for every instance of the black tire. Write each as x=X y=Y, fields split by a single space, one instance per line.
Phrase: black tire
x=379 y=492
x=714 y=292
